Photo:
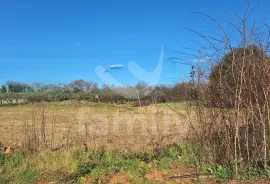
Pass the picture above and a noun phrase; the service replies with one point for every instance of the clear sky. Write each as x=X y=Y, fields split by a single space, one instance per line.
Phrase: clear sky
x=57 y=41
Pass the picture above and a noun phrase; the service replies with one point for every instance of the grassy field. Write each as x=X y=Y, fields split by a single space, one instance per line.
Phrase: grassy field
x=82 y=142
x=75 y=125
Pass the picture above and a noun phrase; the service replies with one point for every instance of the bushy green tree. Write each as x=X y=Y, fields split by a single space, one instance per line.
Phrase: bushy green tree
x=3 y=89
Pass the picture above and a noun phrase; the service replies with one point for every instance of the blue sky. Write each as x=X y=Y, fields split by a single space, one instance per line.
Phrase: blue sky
x=59 y=41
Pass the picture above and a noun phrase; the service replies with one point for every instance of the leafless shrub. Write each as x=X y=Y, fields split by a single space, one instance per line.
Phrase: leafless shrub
x=233 y=86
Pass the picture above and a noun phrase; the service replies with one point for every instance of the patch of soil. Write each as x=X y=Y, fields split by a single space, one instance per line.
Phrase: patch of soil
x=119 y=178
x=157 y=175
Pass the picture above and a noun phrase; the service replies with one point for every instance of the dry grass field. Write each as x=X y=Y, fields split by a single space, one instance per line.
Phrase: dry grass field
x=67 y=125
x=82 y=142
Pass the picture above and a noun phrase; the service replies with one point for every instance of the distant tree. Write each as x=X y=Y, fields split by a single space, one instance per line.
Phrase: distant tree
x=106 y=94
x=181 y=92
x=16 y=86
x=157 y=95
x=142 y=90
x=3 y=89
x=82 y=85
x=94 y=87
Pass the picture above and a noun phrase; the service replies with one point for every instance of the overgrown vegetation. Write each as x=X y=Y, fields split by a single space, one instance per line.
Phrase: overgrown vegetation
x=75 y=166
x=231 y=133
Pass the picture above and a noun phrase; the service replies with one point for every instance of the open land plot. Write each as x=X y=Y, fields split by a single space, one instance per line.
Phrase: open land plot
x=92 y=125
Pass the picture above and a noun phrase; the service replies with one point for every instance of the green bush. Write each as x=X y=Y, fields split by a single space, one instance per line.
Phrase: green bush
x=219 y=172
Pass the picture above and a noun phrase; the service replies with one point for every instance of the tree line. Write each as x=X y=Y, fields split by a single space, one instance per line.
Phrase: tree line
x=83 y=90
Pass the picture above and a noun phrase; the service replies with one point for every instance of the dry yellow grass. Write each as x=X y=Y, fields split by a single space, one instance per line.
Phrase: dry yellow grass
x=63 y=126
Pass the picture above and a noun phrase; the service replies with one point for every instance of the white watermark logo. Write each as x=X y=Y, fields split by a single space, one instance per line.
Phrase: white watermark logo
x=149 y=121
x=100 y=123
x=150 y=78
